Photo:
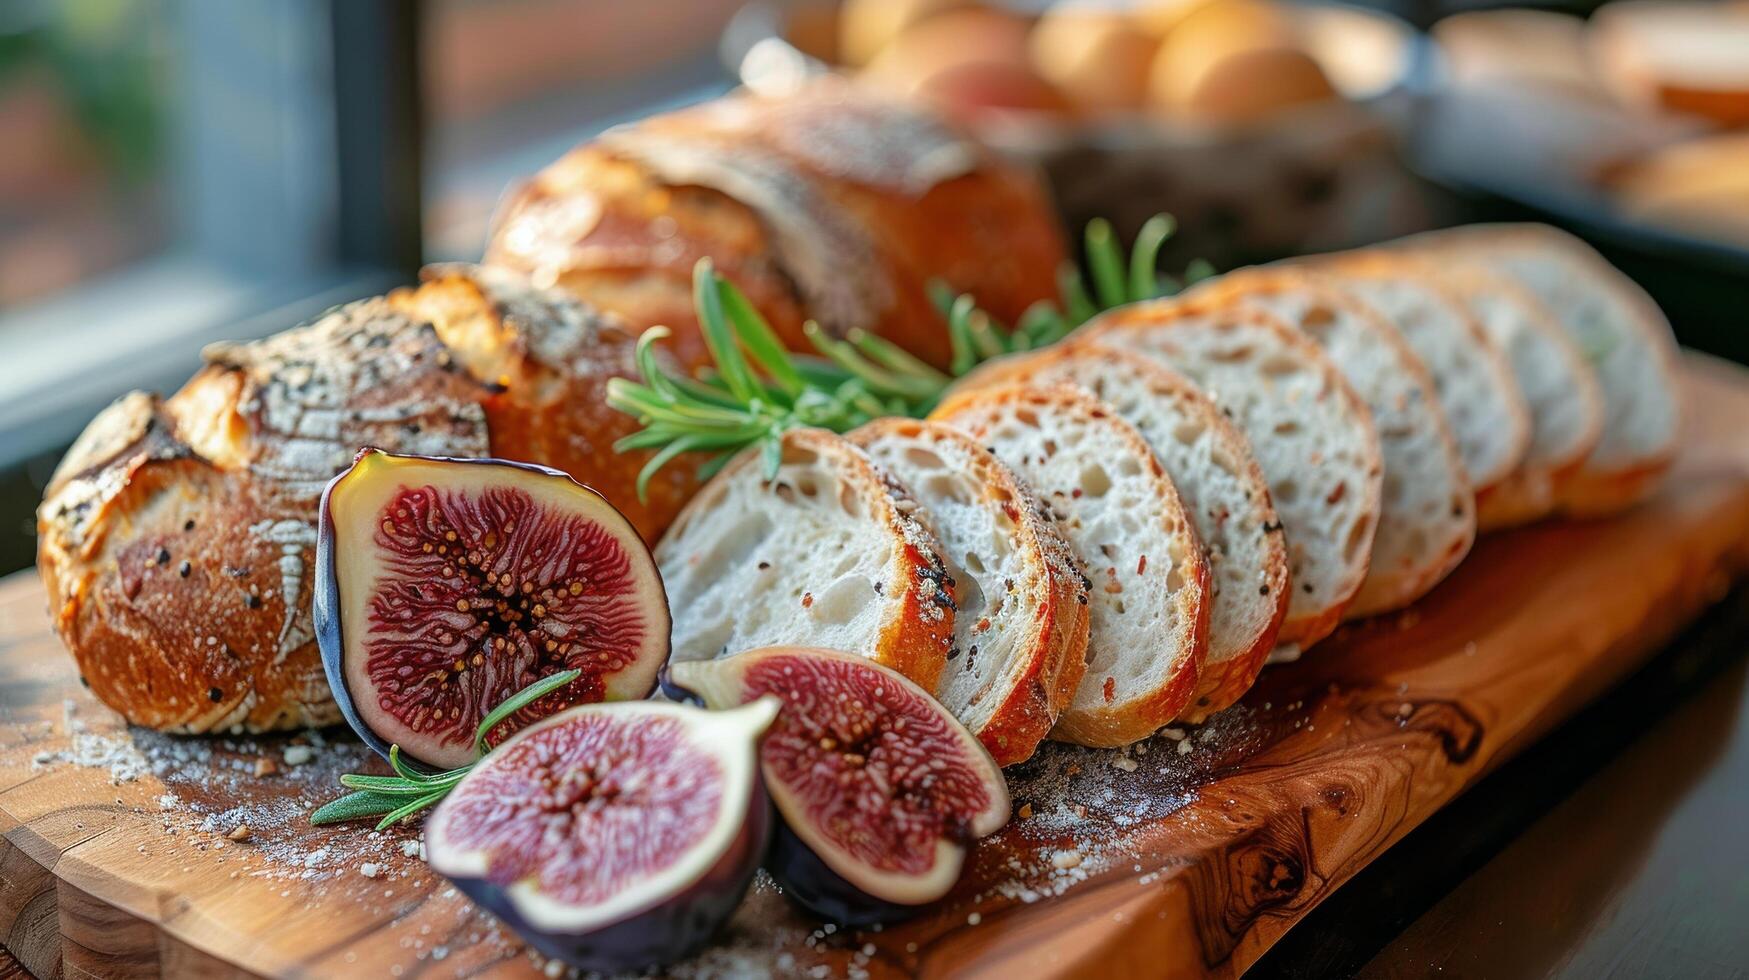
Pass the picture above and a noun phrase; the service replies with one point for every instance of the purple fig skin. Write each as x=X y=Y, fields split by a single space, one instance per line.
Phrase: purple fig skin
x=816 y=888
x=670 y=930
x=326 y=593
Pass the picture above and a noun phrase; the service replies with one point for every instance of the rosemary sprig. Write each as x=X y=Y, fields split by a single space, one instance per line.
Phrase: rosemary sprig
x=409 y=791
x=759 y=389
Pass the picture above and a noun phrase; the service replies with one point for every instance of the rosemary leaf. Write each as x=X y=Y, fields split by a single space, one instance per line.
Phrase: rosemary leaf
x=713 y=324
x=760 y=340
x=1145 y=257
x=356 y=806
x=516 y=702
x=411 y=807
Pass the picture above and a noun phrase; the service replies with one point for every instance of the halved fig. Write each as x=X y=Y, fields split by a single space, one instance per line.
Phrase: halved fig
x=611 y=836
x=880 y=789
x=444 y=586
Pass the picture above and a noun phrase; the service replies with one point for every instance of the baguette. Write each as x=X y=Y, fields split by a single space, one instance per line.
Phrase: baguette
x=827 y=554
x=828 y=204
x=1119 y=511
x=177 y=537
x=1021 y=619
x=1622 y=333
x=1471 y=375
x=1428 y=517
x=1560 y=389
x=1212 y=466
x=1313 y=437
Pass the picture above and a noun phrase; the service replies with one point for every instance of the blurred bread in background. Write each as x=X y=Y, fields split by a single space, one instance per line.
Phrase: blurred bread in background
x=1686 y=57
x=866 y=27
x=1097 y=55
x=1513 y=45
x=965 y=60
x=1699 y=186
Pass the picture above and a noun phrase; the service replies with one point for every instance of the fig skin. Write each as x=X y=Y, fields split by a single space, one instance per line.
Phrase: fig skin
x=634 y=682
x=668 y=927
x=807 y=877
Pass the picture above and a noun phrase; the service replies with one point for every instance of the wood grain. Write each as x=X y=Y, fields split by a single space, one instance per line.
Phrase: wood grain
x=1193 y=863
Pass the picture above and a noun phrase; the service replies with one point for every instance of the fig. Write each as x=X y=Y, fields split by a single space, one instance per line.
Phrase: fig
x=444 y=586
x=611 y=836
x=879 y=789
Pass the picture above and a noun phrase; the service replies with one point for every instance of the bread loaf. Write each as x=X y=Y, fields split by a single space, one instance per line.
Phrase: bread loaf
x=177 y=537
x=828 y=204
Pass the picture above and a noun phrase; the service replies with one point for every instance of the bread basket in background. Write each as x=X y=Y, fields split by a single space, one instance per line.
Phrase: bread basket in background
x=1258 y=156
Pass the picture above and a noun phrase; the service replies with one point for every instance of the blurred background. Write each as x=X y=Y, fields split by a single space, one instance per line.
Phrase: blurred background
x=174 y=172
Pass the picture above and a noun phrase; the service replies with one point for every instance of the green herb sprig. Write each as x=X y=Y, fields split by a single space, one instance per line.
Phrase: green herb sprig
x=409 y=791
x=759 y=389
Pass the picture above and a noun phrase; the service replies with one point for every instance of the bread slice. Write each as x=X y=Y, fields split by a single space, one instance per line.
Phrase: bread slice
x=1560 y=388
x=1471 y=375
x=1428 y=517
x=827 y=554
x=1020 y=626
x=1119 y=511
x=1622 y=333
x=1313 y=437
x=1211 y=463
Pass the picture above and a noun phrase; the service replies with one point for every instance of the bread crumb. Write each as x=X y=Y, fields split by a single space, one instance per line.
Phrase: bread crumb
x=1026 y=811
x=297 y=755
x=368 y=869
x=1066 y=859
x=1184 y=747
x=240 y=833
x=265 y=766
x=1124 y=762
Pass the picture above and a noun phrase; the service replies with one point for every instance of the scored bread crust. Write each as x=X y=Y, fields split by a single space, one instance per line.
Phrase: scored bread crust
x=1015 y=711
x=1230 y=507
x=1095 y=716
x=913 y=630
x=1427 y=522
x=1166 y=329
x=177 y=538
x=1474 y=381
x=827 y=204
x=1624 y=335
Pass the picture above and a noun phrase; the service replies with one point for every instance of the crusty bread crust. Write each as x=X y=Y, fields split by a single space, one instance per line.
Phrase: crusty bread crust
x=1049 y=661
x=1233 y=661
x=827 y=204
x=177 y=539
x=916 y=630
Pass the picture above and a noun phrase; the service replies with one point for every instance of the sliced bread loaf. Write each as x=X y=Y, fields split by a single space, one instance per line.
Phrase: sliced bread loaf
x=1561 y=389
x=1211 y=464
x=1114 y=503
x=1312 y=435
x=1428 y=517
x=827 y=554
x=1471 y=374
x=1020 y=625
x=1621 y=332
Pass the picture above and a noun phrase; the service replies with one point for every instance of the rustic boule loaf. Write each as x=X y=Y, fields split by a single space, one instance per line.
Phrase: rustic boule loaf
x=177 y=537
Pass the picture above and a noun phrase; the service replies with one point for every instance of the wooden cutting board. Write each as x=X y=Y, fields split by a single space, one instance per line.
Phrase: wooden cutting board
x=1187 y=856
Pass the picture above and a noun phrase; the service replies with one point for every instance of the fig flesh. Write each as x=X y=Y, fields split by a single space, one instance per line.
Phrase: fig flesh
x=612 y=836
x=880 y=790
x=444 y=586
